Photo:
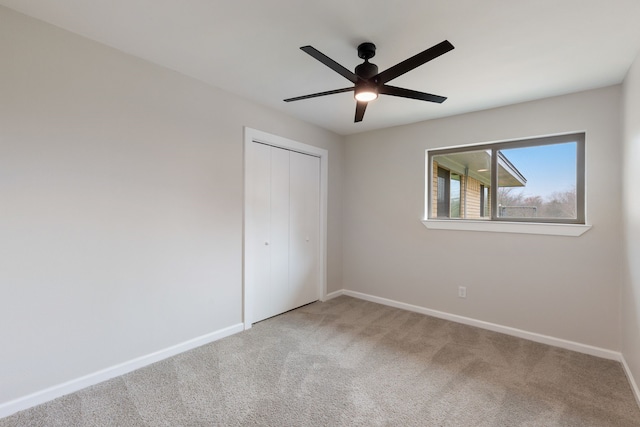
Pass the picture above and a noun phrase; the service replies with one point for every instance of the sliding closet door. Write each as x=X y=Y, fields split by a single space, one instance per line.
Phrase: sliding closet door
x=282 y=226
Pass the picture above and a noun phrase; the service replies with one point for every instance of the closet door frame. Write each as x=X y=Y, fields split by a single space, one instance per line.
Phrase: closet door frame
x=251 y=136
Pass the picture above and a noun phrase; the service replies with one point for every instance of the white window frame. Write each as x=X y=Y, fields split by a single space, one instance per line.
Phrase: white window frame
x=561 y=227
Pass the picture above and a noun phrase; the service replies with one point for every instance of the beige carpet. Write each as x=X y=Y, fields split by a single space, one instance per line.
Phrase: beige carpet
x=352 y=362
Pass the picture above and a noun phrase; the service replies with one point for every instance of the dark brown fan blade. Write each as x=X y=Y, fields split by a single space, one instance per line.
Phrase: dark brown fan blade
x=360 y=108
x=315 y=95
x=413 y=62
x=408 y=93
x=330 y=63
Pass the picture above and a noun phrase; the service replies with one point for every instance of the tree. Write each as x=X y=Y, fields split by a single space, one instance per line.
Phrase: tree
x=513 y=203
x=561 y=204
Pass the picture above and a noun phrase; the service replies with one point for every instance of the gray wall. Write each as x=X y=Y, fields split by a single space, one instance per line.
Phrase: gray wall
x=631 y=211
x=564 y=287
x=121 y=208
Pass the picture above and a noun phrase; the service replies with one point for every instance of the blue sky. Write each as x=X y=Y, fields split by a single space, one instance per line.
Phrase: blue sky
x=547 y=168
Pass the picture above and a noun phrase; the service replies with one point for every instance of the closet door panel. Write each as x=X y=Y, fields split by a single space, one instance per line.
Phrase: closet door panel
x=304 y=229
x=257 y=228
x=279 y=231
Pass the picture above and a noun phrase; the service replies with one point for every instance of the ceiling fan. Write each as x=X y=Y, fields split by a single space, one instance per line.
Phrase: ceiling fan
x=368 y=83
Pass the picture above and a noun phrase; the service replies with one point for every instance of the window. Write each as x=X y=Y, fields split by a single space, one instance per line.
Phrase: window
x=538 y=180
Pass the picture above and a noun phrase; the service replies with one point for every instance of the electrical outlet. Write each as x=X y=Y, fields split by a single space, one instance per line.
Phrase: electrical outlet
x=462 y=291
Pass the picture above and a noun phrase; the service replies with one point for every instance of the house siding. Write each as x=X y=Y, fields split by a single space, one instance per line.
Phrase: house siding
x=469 y=199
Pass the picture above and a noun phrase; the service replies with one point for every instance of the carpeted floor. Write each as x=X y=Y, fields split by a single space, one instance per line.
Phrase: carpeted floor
x=352 y=362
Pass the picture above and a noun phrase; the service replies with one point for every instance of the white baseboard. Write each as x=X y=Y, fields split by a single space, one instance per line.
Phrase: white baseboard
x=532 y=336
x=42 y=396
x=632 y=381
x=333 y=295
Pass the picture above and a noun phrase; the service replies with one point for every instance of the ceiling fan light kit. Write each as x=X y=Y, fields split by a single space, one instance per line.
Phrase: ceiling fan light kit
x=365 y=92
x=368 y=83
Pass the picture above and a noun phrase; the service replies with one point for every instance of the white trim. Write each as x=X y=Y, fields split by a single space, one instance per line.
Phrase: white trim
x=632 y=381
x=552 y=229
x=253 y=135
x=333 y=295
x=42 y=396
x=532 y=336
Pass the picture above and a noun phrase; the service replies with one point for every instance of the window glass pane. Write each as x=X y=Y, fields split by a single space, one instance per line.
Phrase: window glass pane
x=461 y=184
x=537 y=182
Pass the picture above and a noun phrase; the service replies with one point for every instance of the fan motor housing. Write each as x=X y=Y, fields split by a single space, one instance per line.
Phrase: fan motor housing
x=366 y=70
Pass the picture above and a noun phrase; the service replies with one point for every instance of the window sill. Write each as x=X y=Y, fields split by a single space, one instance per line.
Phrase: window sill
x=573 y=230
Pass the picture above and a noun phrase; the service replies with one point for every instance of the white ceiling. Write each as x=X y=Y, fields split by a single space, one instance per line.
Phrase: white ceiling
x=506 y=51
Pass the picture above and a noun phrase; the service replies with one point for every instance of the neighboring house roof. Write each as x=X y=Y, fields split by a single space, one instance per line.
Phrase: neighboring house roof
x=477 y=164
